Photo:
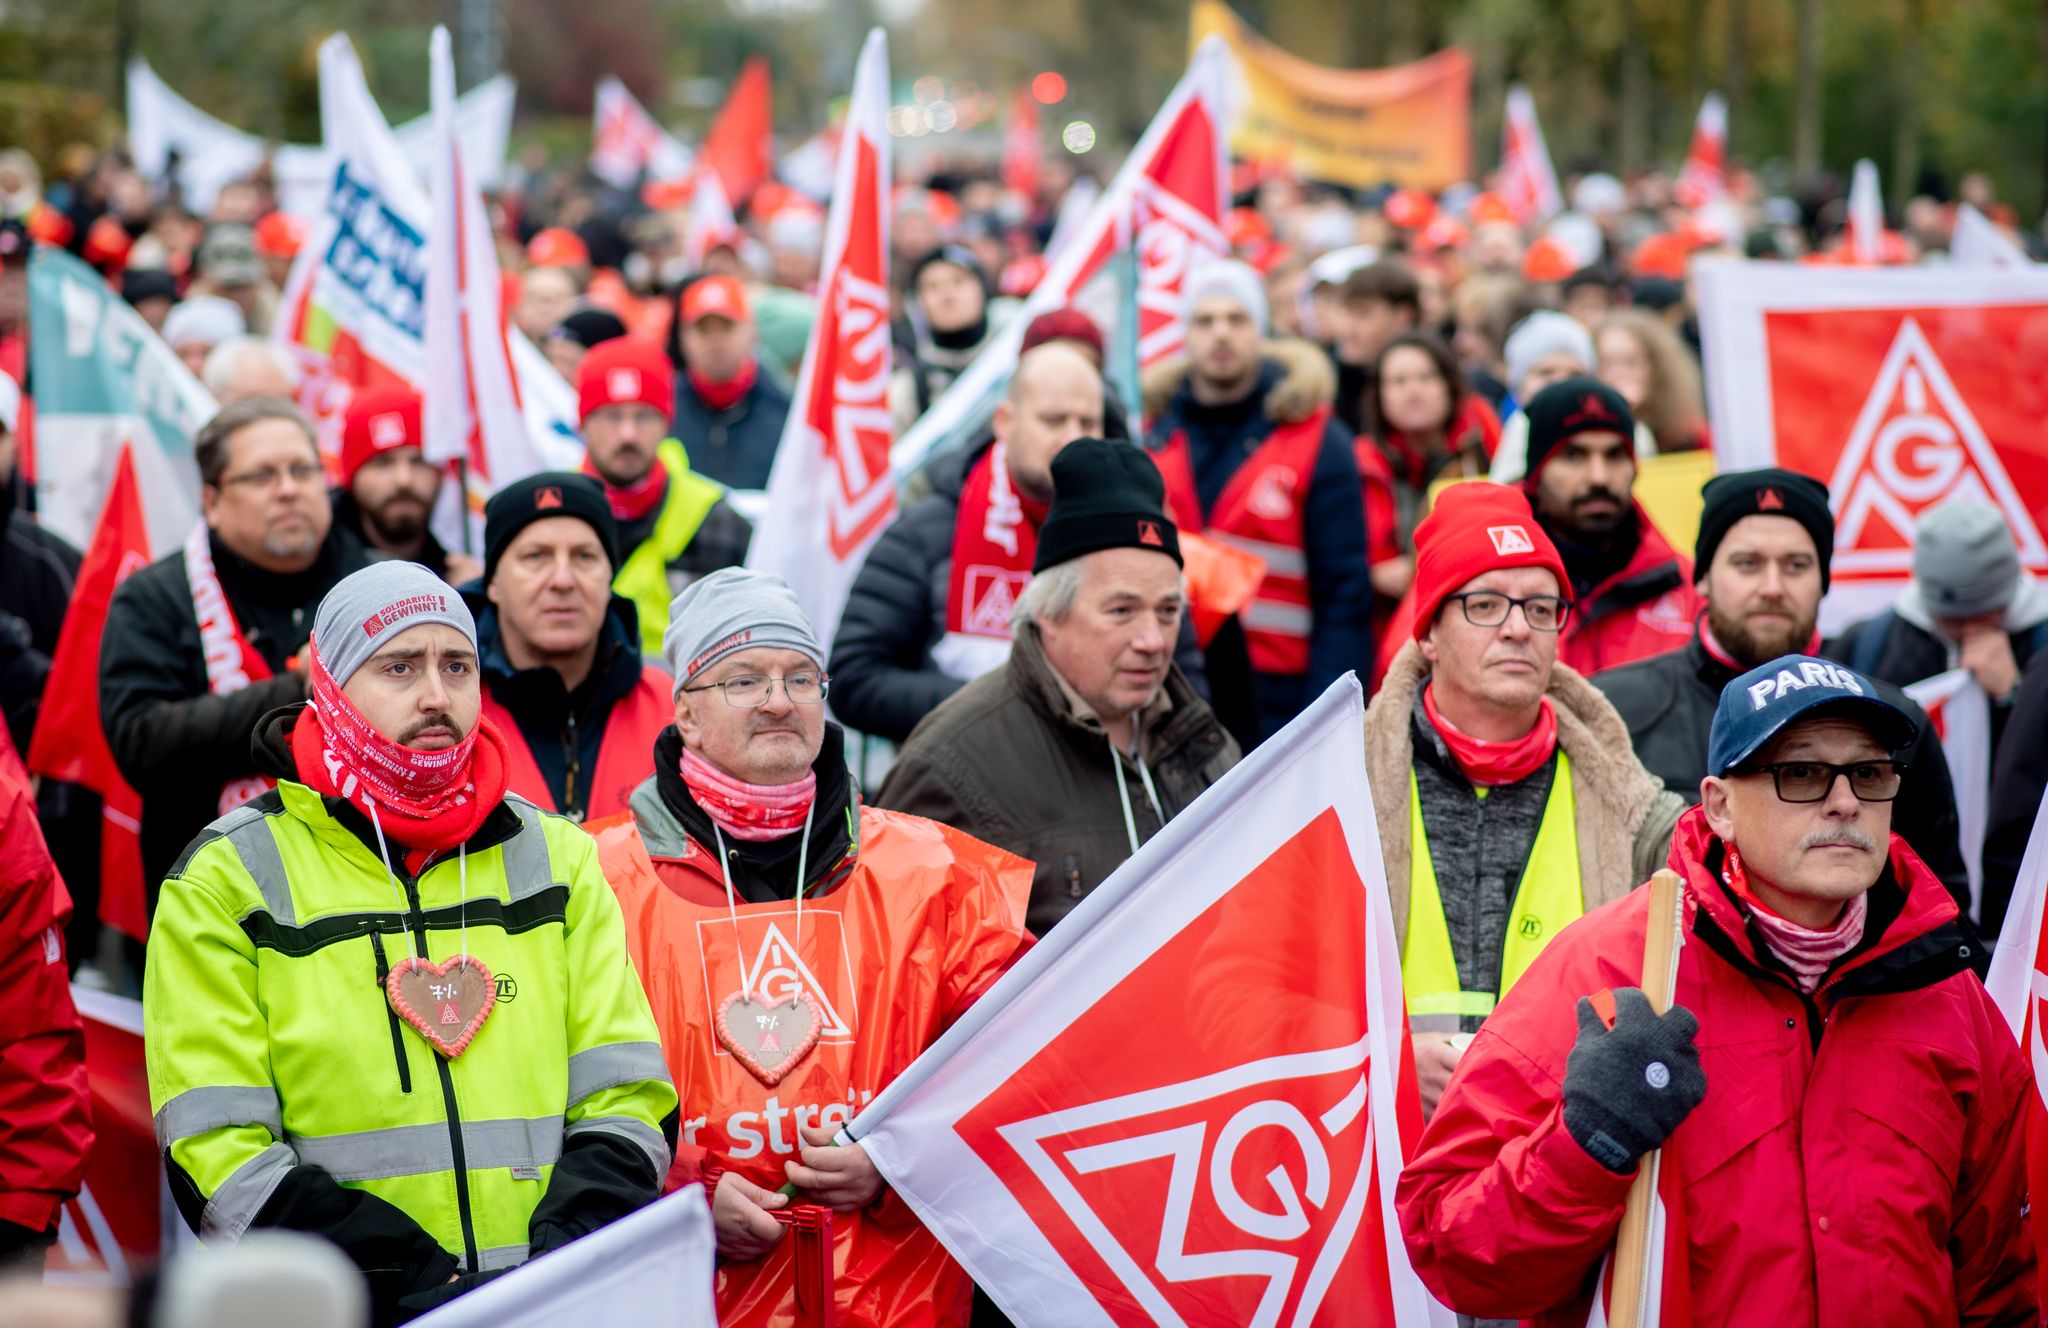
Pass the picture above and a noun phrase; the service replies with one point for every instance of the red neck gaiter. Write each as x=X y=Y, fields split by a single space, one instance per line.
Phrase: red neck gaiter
x=426 y=801
x=637 y=499
x=1719 y=653
x=753 y=812
x=1490 y=763
x=725 y=395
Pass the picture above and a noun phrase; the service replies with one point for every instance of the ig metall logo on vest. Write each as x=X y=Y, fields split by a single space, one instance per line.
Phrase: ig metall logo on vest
x=1531 y=927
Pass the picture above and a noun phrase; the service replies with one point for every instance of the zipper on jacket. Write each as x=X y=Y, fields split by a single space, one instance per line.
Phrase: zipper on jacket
x=569 y=806
x=397 y=1033
x=1072 y=864
x=460 y=1159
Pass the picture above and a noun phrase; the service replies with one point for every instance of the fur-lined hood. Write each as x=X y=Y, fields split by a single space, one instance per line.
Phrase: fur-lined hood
x=1623 y=814
x=1307 y=382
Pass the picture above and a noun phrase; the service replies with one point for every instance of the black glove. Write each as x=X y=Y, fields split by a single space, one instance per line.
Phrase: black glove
x=433 y=1298
x=1626 y=1088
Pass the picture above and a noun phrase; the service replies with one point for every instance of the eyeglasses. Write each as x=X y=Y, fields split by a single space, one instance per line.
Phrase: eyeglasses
x=749 y=691
x=305 y=472
x=1489 y=608
x=1813 y=781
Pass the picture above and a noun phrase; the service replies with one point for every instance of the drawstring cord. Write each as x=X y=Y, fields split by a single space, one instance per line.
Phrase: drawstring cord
x=462 y=872
x=732 y=908
x=1123 y=789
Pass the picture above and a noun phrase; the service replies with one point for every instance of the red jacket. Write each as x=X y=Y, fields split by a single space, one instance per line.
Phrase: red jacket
x=1645 y=609
x=1858 y=1159
x=45 y=1113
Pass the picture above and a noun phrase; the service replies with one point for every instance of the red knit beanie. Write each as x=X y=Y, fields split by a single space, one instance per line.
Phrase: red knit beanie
x=625 y=369
x=1476 y=528
x=379 y=419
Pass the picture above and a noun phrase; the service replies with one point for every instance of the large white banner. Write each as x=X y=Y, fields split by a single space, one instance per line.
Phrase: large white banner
x=1180 y=1106
x=1899 y=388
x=212 y=153
x=651 y=1267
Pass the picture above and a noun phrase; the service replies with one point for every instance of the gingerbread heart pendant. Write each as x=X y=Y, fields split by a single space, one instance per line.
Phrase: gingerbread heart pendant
x=446 y=1003
x=769 y=1039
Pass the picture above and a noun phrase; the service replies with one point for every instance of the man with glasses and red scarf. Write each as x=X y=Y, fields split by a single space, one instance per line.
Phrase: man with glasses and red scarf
x=1840 y=1104
x=1508 y=800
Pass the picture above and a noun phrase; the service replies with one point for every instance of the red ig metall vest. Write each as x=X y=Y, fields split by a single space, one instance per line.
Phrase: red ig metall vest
x=1260 y=511
x=624 y=758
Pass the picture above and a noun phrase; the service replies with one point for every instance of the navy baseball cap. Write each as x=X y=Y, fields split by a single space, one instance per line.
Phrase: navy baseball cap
x=1794 y=687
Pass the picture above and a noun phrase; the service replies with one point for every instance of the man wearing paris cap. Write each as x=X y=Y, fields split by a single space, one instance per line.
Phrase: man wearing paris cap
x=1840 y=1103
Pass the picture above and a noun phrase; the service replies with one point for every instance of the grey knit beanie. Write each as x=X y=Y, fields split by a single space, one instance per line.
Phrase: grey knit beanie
x=734 y=609
x=1964 y=560
x=365 y=609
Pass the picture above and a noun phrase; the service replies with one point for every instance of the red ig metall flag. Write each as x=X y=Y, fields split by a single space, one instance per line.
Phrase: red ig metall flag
x=1528 y=182
x=2018 y=983
x=1704 y=178
x=1188 y=1103
x=831 y=490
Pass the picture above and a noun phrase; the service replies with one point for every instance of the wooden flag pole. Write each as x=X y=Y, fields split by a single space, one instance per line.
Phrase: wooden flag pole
x=1629 y=1307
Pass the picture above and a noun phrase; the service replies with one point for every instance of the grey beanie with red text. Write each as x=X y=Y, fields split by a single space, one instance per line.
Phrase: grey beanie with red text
x=734 y=609
x=367 y=608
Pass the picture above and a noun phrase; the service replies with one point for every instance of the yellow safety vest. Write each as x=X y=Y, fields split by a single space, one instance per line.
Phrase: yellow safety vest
x=643 y=577
x=1548 y=898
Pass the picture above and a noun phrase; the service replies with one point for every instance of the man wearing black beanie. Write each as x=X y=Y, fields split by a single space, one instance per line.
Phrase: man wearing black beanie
x=1766 y=540
x=560 y=653
x=1090 y=739
x=1632 y=592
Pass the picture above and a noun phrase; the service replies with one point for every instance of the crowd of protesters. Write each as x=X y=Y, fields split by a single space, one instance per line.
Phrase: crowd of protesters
x=1402 y=441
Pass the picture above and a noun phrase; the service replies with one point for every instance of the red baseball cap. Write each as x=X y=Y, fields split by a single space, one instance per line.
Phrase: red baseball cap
x=280 y=235
x=557 y=247
x=716 y=297
x=625 y=369
x=379 y=419
x=1476 y=528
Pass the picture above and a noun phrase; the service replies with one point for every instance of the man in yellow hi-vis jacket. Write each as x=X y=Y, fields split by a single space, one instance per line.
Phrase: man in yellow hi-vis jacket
x=388 y=1003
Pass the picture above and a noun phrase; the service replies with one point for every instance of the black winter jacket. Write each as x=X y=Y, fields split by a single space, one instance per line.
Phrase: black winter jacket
x=1668 y=702
x=2019 y=782
x=174 y=740
x=736 y=446
x=883 y=678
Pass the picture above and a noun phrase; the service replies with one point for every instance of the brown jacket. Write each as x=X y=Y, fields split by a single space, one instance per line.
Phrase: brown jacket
x=1623 y=814
x=1014 y=760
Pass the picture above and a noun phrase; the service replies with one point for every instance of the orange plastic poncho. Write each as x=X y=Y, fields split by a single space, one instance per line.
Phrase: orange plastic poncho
x=923 y=923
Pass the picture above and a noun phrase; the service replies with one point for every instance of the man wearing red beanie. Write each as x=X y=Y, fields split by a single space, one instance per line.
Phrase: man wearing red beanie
x=674 y=524
x=388 y=487
x=1509 y=801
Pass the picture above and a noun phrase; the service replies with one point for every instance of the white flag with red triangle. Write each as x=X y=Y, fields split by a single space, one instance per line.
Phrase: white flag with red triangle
x=709 y=222
x=1900 y=388
x=2018 y=983
x=1978 y=242
x=471 y=412
x=1704 y=177
x=831 y=489
x=1528 y=182
x=1167 y=201
x=1961 y=711
x=1152 y=1117
x=627 y=143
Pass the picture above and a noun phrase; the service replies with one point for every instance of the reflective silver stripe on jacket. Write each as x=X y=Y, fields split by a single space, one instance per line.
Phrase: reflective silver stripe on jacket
x=235 y=1204
x=1280 y=560
x=610 y=1066
x=1263 y=615
x=528 y=870
x=500 y=1256
x=198 y=1110
x=245 y=829
x=415 y=1150
x=649 y=1139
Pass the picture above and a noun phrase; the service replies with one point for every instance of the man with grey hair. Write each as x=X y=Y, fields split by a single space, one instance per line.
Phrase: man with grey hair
x=1090 y=739
x=247 y=366
x=202 y=642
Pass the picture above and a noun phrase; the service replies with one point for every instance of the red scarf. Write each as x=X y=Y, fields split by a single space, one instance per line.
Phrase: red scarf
x=725 y=395
x=231 y=662
x=753 y=812
x=1807 y=952
x=1719 y=652
x=1489 y=763
x=427 y=801
x=995 y=538
x=638 y=499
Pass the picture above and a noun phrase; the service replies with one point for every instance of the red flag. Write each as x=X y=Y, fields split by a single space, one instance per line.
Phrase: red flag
x=737 y=145
x=1704 y=178
x=1022 y=152
x=114 y=1226
x=2018 y=983
x=831 y=490
x=1527 y=179
x=68 y=743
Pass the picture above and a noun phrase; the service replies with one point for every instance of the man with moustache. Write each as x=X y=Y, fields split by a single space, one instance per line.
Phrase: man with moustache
x=1843 y=1106
x=201 y=643
x=388 y=486
x=1766 y=538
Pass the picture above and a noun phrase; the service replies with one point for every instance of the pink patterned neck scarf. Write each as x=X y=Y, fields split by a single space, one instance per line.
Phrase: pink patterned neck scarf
x=1806 y=952
x=752 y=812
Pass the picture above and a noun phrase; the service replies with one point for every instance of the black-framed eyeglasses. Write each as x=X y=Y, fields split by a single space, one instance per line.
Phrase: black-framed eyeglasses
x=750 y=691
x=1489 y=608
x=1813 y=781
x=303 y=473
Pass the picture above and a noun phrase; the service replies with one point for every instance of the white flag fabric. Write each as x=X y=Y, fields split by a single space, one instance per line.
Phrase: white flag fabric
x=1704 y=177
x=650 y=1267
x=471 y=409
x=1528 y=182
x=710 y=222
x=831 y=490
x=1153 y=1117
x=1866 y=213
x=626 y=142
x=1978 y=243
x=1167 y=201
x=212 y=153
x=1961 y=711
